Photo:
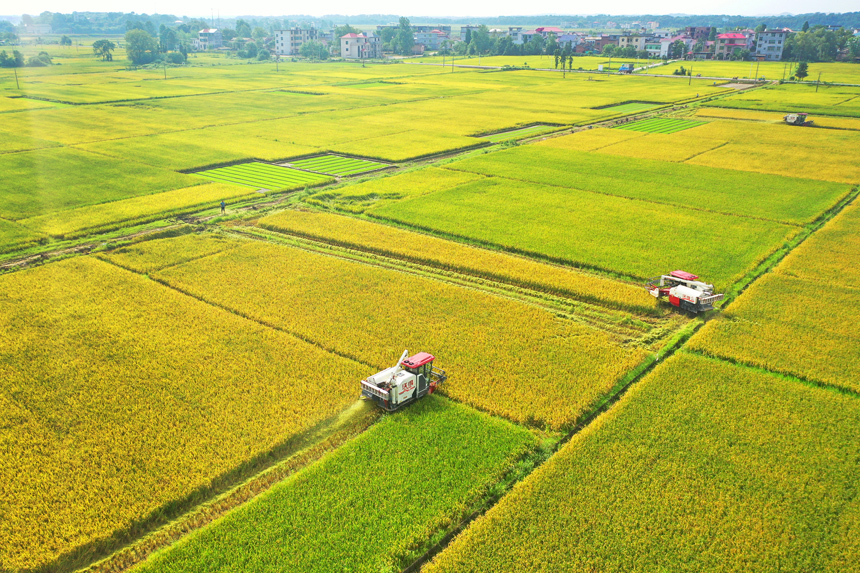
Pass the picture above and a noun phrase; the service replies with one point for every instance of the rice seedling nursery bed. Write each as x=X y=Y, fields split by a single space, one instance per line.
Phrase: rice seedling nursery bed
x=661 y=125
x=263 y=176
x=338 y=165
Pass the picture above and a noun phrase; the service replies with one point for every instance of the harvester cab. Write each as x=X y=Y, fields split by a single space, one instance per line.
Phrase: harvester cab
x=411 y=378
x=684 y=291
x=797 y=119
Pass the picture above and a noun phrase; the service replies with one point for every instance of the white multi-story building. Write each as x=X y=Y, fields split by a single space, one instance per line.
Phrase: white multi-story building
x=209 y=39
x=288 y=42
x=360 y=46
x=770 y=44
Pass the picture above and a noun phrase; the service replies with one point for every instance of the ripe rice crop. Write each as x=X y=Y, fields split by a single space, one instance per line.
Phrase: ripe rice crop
x=359 y=197
x=830 y=255
x=424 y=249
x=703 y=466
x=502 y=356
x=589 y=139
x=120 y=396
x=779 y=198
x=661 y=125
x=49 y=180
x=13 y=235
x=631 y=107
x=793 y=326
x=264 y=175
x=155 y=254
x=787 y=98
x=664 y=147
x=365 y=505
x=593 y=230
x=518 y=133
x=336 y=165
x=137 y=210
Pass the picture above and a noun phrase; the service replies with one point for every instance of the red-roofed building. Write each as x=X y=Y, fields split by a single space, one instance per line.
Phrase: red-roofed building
x=360 y=46
x=730 y=41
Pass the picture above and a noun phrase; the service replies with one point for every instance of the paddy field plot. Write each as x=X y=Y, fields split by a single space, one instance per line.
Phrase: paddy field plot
x=448 y=255
x=702 y=466
x=631 y=107
x=593 y=230
x=338 y=165
x=518 y=133
x=775 y=197
x=356 y=309
x=828 y=100
x=169 y=395
x=368 y=505
x=263 y=176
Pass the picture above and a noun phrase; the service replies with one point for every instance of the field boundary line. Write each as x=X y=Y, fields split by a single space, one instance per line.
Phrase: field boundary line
x=723 y=144
x=554 y=304
x=784 y=374
x=262 y=322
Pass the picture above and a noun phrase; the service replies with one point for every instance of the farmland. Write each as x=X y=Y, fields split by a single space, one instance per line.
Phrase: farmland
x=370 y=524
x=712 y=460
x=179 y=384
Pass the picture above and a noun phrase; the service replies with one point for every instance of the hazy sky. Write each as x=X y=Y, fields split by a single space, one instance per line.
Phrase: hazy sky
x=456 y=8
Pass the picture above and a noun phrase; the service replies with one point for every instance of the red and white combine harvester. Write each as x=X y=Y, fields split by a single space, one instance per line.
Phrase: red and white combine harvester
x=684 y=291
x=404 y=383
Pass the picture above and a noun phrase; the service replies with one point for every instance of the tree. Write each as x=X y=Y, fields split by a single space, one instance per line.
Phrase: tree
x=140 y=47
x=103 y=48
x=404 y=38
x=16 y=60
x=677 y=49
x=761 y=28
x=250 y=50
x=167 y=37
x=65 y=41
x=801 y=71
x=263 y=55
x=314 y=49
x=340 y=31
x=557 y=55
x=42 y=60
x=805 y=27
x=481 y=40
x=243 y=29
x=712 y=35
x=259 y=33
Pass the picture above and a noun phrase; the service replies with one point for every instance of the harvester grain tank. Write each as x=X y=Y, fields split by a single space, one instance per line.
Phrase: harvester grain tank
x=797 y=119
x=684 y=291
x=411 y=378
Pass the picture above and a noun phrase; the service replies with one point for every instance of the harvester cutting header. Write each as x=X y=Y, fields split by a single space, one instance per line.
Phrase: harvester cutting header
x=410 y=379
x=684 y=291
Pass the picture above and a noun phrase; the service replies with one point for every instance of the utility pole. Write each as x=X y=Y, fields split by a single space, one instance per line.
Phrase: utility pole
x=756 y=70
x=165 y=70
x=17 y=85
x=818 y=82
x=784 y=69
x=691 y=76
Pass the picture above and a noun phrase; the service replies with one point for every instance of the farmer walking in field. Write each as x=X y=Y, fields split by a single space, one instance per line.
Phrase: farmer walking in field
x=223 y=205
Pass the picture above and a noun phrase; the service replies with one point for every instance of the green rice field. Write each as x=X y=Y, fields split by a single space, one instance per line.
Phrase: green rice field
x=661 y=125
x=263 y=176
x=518 y=133
x=337 y=165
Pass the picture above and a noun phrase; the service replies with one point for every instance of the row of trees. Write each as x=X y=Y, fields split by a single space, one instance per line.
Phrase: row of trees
x=16 y=60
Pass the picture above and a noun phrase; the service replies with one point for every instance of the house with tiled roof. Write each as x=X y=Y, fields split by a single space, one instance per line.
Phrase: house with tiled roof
x=728 y=42
x=360 y=46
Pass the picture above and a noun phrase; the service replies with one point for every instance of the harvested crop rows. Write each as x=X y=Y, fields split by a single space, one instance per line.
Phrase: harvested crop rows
x=263 y=175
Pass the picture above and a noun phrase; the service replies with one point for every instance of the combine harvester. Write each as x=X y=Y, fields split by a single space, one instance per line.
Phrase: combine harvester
x=797 y=119
x=684 y=291
x=411 y=378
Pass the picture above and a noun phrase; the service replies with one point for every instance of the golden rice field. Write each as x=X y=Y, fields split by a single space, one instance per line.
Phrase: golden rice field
x=704 y=466
x=120 y=396
x=503 y=356
x=428 y=250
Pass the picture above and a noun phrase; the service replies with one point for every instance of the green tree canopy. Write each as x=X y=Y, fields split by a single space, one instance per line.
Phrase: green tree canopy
x=801 y=71
x=314 y=50
x=404 y=38
x=140 y=47
x=103 y=49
